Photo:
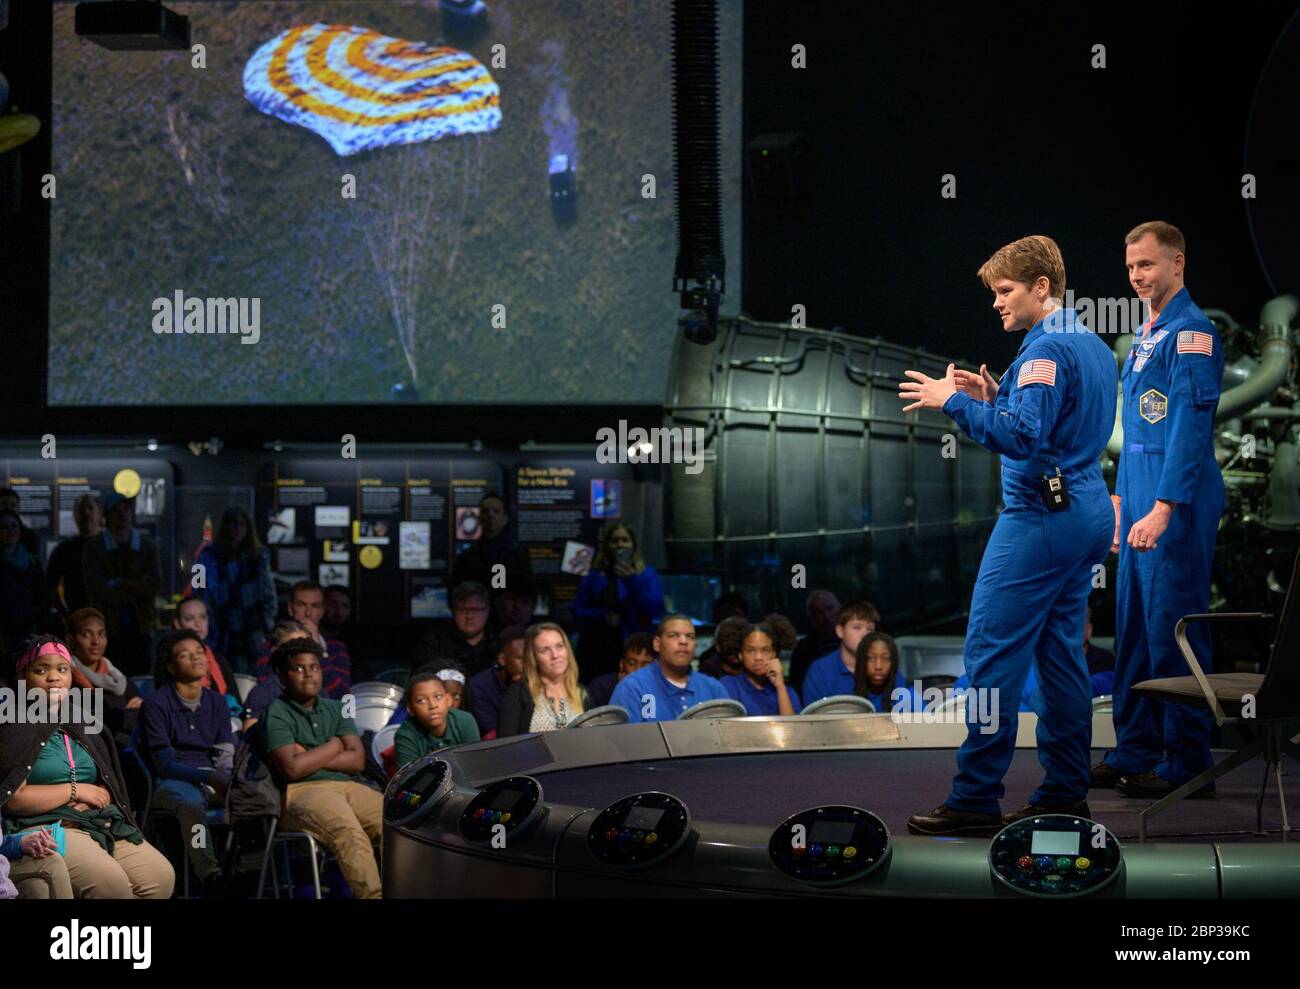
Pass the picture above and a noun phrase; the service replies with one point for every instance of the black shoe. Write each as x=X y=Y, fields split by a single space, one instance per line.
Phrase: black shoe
x=1104 y=776
x=1077 y=809
x=1151 y=785
x=943 y=820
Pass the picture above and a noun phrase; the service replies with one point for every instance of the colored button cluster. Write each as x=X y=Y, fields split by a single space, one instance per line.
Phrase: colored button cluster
x=409 y=798
x=825 y=853
x=484 y=816
x=1045 y=863
x=626 y=836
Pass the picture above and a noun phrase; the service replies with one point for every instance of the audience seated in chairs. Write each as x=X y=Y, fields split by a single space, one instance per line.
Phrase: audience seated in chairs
x=24 y=598
x=59 y=775
x=823 y=610
x=192 y=613
x=313 y=749
x=188 y=743
x=468 y=644
x=1101 y=662
x=307 y=605
x=725 y=607
x=513 y=605
x=762 y=687
x=65 y=576
x=10 y=501
x=663 y=690
x=876 y=675
x=637 y=653
x=549 y=695
x=433 y=722
x=31 y=868
x=337 y=623
x=123 y=577
x=490 y=686
x=454 y=682
x=88 y=634
x=723 y=657
x=1101 y=670
x=833 y=674
x=261 y=696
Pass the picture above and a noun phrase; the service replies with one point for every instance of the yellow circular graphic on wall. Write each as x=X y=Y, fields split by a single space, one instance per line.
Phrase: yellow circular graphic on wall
x=370 y=557
x=126 y=483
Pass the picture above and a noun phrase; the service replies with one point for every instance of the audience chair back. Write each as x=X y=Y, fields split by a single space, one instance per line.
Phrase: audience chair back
x=244 y=683
x=607 y=714
x=720 y=707
x=376 y=689
x=374 y=712
x=383 y=740
x=841 y=704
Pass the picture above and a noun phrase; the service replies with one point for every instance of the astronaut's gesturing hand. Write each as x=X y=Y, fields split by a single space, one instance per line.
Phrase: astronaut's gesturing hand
x=925 y=392
x=1142 y=535
x=982 y=387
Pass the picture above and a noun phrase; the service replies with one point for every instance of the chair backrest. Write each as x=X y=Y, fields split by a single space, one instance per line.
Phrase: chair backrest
x=244 y=682
x=144 y=684
x=841 y=704
x=721 y=707
x=1279 y=694
x=382 y=740
x=373 y=713
x=606 y=714
x=373 y=689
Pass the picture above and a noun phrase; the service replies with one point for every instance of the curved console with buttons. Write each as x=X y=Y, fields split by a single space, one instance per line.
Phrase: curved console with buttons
x=797 y=806
x=504 y=809
x=1056 y=856
x=640 y=830
x=417 y=791
x=829 y=845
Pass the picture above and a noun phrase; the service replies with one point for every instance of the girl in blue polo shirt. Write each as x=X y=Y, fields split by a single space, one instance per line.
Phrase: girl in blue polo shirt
x=876 y=676
x=761 y=685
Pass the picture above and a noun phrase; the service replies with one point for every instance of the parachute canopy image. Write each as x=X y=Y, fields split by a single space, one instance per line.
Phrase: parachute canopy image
x=359 y=89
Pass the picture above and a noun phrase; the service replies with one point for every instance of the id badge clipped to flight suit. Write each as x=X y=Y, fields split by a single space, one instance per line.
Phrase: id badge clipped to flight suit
x=1056 y=494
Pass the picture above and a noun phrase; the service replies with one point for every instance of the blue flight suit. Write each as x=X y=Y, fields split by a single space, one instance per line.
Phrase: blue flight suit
x=1171 y=392
x=1055 y=408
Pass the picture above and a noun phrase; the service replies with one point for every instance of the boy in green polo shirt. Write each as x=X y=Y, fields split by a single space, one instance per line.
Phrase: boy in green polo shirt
x=433 y=722
x=312 y=748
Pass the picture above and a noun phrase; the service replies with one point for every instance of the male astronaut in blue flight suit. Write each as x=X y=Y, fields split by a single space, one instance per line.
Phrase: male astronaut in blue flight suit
x=1049 y=418
x=1170 y=498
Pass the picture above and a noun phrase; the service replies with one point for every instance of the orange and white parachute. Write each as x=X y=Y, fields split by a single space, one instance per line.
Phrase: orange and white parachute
x=359 y=89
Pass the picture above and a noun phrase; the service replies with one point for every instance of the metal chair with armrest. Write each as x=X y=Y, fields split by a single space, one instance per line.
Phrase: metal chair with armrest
x=1270 y=701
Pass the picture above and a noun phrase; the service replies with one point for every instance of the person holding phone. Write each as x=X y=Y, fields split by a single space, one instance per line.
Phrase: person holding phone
x=620 y=595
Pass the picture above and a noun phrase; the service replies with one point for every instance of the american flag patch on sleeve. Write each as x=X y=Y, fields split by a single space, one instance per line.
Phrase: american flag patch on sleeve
x=1037 y=372
x=1195 y=342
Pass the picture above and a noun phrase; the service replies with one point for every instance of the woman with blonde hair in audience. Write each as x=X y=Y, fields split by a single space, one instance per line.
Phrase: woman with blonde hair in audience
x=549 y=696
